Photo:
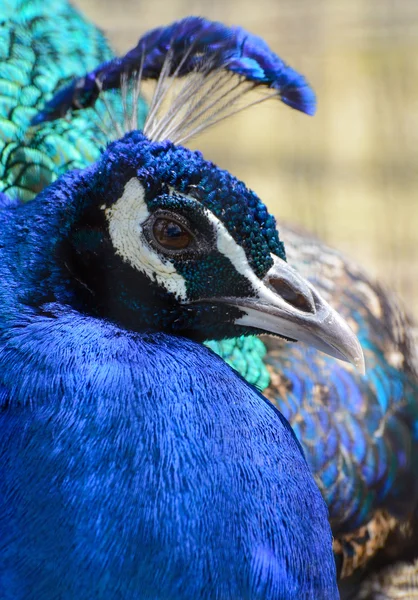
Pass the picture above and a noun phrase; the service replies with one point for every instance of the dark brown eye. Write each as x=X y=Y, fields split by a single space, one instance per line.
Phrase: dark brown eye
x=171 y=235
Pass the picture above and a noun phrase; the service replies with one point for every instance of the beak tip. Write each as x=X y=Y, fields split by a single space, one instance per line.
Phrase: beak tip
x=351 y=348
x=358 y=362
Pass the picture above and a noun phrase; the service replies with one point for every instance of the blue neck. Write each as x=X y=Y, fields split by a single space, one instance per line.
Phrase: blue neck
x=139 y=462
x=144 y=463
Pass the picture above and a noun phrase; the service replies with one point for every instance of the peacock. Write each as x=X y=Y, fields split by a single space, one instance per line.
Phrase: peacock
x=358 y=434
x=135 y=462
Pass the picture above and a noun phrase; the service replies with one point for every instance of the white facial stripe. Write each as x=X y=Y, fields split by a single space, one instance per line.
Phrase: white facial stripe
x=228 y=247
x=125 y=219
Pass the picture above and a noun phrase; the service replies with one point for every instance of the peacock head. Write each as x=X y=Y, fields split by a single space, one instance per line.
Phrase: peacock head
x=163 y=240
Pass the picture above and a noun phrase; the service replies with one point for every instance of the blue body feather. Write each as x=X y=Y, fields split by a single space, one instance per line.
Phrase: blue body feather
x=359 y=470
x=137 y=465
x=359 y=434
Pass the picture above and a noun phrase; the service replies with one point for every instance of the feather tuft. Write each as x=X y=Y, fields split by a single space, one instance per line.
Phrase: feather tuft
x=202 y=69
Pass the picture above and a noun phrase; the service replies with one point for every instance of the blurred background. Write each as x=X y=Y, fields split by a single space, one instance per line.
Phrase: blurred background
x=350 y=174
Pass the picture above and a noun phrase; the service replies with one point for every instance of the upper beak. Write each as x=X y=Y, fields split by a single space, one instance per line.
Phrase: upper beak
x=288 y=305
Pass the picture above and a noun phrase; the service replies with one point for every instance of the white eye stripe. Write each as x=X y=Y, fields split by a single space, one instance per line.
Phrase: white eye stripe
x=227 y=246
x=125 y=219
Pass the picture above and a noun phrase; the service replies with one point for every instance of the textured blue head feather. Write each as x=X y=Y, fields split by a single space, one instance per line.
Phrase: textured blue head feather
x=161 y=166
x=191 y=45
x=115 y=264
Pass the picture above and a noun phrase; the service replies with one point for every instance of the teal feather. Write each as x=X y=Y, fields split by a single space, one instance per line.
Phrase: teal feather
x=246 y=355
x=38 y=54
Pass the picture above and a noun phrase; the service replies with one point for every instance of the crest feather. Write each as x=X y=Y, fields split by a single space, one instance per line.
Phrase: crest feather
x=202 y=70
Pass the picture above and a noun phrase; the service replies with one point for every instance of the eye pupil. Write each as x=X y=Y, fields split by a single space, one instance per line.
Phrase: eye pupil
x=171 y=235
x=173 y=230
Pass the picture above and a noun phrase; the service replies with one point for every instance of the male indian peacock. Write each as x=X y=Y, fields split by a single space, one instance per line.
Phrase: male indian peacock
x=321 y=398
x=135 y=462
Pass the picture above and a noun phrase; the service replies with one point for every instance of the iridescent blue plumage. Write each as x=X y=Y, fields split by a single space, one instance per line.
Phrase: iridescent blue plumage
x=359 y=435
x=135 y=463
x=192 y=44
x=376 y=453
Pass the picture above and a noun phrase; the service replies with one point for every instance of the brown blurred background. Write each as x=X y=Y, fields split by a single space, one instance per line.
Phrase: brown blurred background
x=350 y=174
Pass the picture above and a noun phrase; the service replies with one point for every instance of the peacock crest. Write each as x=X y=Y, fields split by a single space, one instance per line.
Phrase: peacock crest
x=203 y=73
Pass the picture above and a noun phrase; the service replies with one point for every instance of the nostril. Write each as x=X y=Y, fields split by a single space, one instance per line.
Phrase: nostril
x=293 y=297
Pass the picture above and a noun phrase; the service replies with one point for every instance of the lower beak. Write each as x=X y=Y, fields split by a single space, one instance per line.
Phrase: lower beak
x=288 y=305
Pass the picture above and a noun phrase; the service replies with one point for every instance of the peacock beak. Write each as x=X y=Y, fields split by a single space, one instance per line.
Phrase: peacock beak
x=288 y=305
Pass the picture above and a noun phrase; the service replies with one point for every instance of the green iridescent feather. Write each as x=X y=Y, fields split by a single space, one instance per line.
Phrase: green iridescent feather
x=44 y=44
x=245 y=354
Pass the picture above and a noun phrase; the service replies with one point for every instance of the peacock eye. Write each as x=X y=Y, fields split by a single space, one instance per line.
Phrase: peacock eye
x=171 y=235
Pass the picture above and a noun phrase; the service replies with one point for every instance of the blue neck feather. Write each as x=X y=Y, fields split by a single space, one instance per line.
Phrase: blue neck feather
x=130 y=449
x=138 y=461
